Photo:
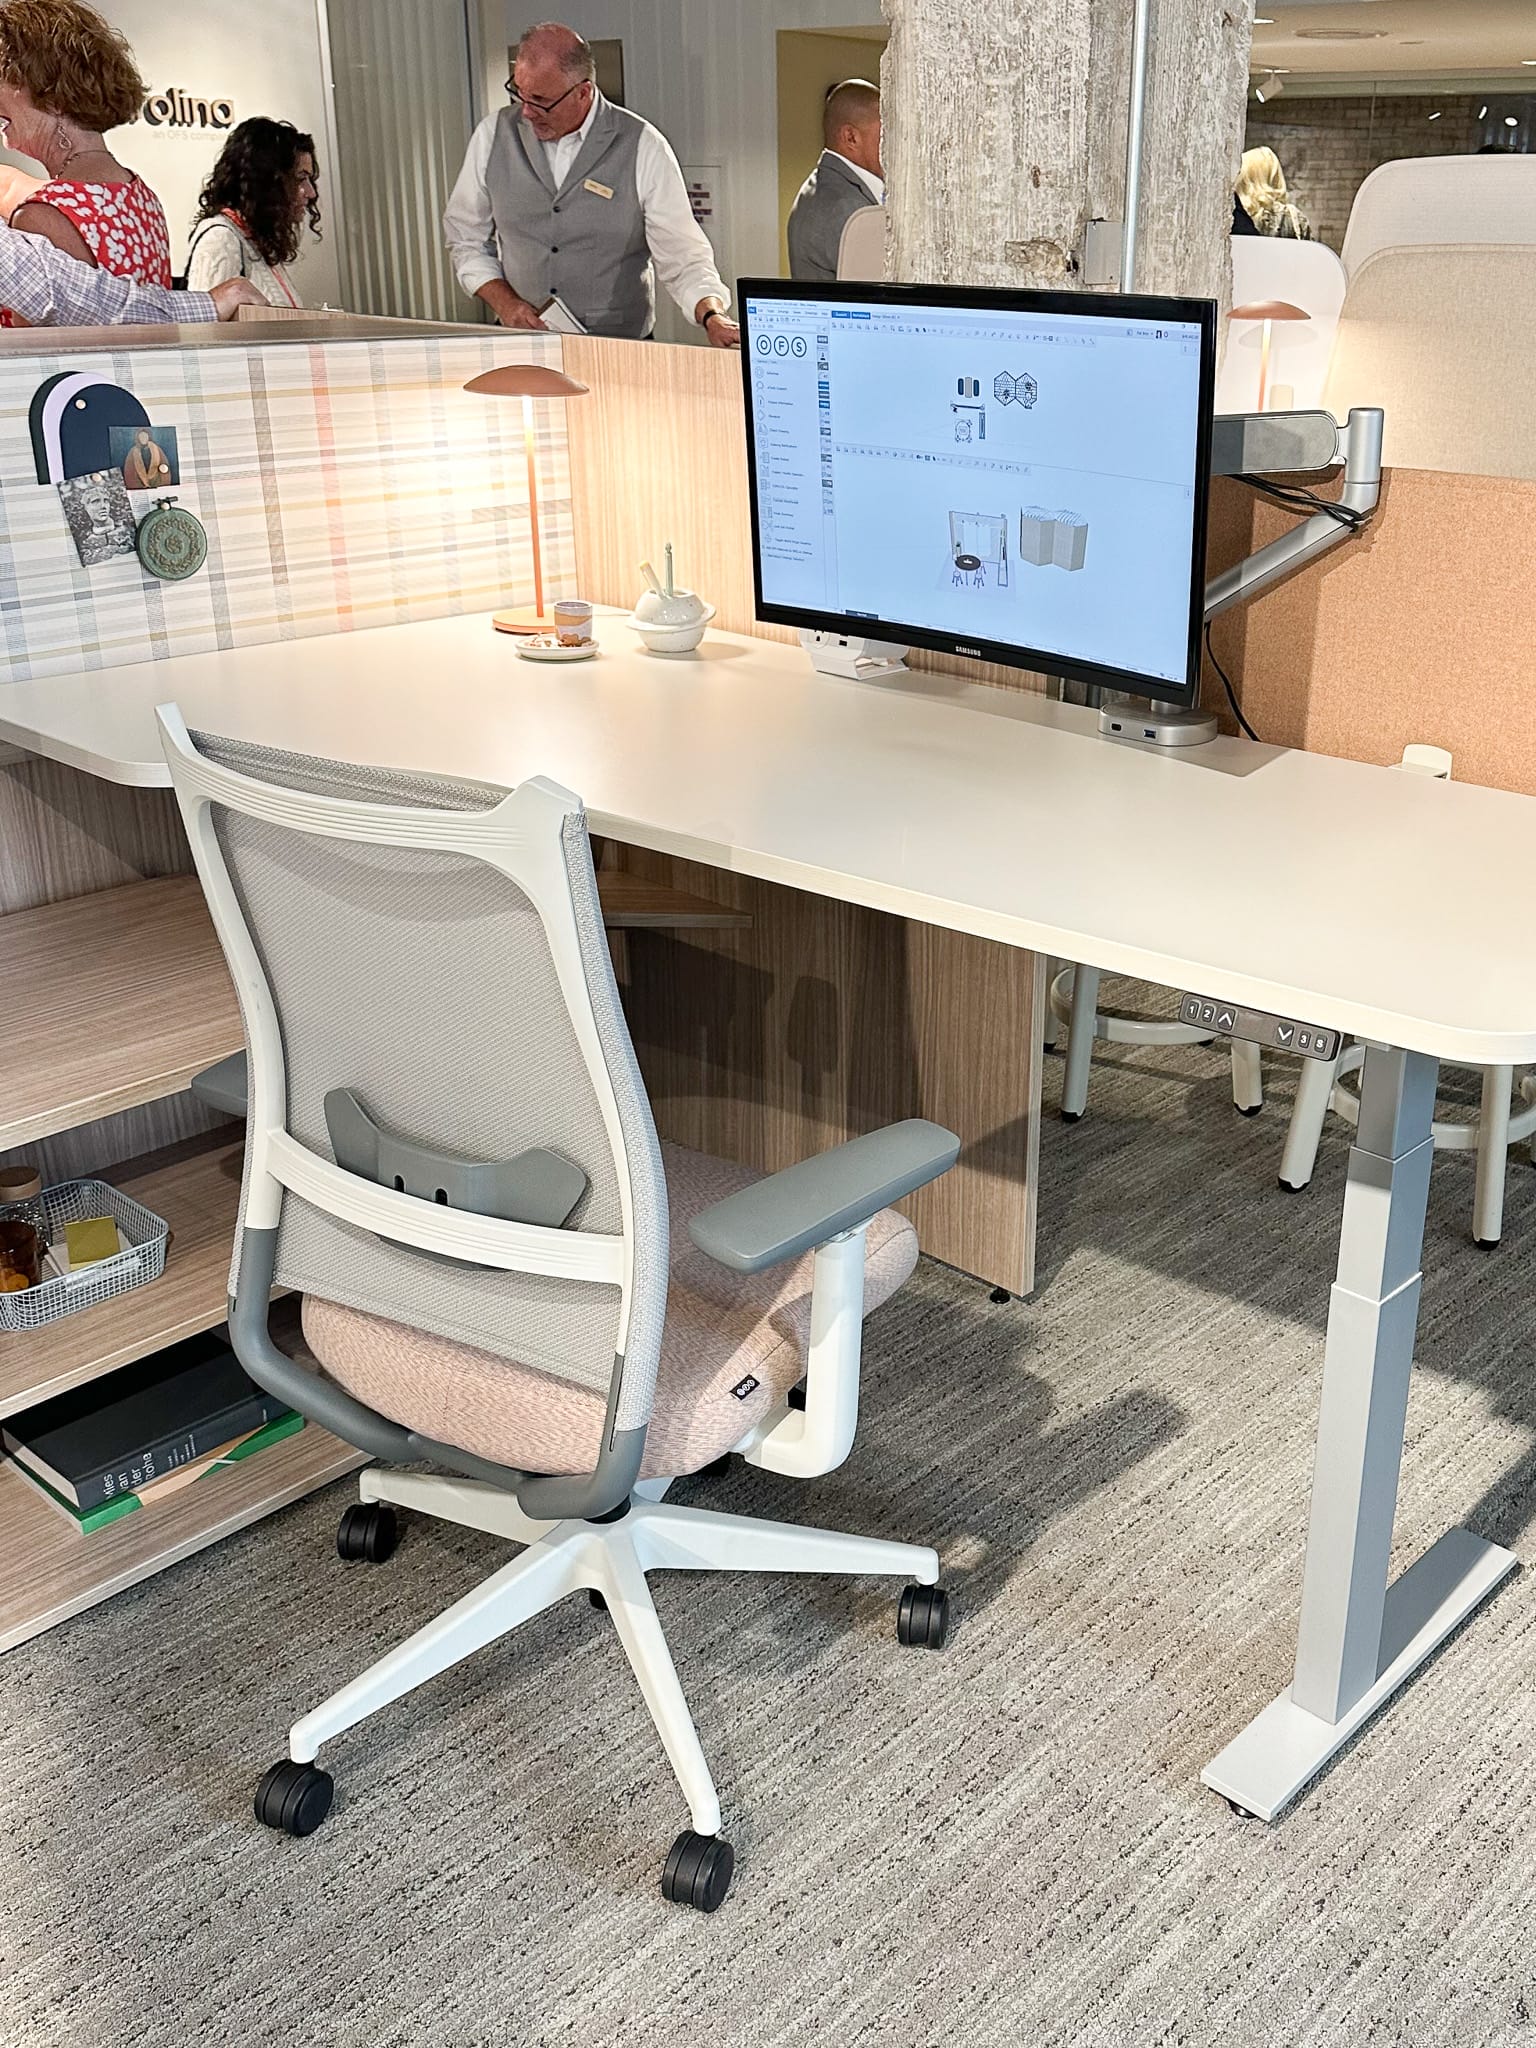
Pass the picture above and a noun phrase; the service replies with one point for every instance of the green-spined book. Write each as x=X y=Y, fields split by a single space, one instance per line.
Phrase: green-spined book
x=92 y=1519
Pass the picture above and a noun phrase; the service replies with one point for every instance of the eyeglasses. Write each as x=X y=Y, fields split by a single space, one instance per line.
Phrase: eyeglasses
x=525 y=105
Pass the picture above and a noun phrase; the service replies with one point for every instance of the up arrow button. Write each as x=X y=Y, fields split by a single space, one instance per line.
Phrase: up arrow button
x=1225 y=1020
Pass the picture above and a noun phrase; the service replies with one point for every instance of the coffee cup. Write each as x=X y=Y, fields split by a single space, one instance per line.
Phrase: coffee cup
x=573 y=621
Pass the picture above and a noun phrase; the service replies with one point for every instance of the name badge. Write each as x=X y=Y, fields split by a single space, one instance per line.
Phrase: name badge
x=602 y=191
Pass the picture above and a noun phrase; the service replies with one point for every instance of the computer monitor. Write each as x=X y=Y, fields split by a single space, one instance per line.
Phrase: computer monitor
x=1019 y=476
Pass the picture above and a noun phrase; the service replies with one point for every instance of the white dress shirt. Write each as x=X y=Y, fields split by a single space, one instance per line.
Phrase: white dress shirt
x=49 y=289
x=873 y=185
x=685 y=263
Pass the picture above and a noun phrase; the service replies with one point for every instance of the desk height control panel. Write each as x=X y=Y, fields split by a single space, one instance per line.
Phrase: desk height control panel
x=1227 y=1020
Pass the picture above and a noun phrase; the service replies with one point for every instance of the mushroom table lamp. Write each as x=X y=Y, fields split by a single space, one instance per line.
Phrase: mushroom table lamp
x=1269 y=311
x=528 y=381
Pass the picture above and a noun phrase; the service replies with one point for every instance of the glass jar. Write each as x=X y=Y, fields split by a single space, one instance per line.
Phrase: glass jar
x=23 y=1227
x=21 y=1256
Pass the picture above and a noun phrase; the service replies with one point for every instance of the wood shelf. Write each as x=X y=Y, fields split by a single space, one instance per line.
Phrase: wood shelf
x=52 y=1571
x=121 y=997
x=632 y=904
x=196 y=1188
x=110 y=1000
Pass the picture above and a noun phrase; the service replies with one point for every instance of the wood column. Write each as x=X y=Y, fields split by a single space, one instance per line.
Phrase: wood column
x=1005 y=127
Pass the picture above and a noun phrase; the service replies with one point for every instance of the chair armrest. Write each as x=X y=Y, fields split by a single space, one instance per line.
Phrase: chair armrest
x=224 y=1086
x=788 y=1213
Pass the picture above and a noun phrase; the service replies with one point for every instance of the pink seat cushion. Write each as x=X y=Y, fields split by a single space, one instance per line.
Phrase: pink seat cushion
x=723 y=1330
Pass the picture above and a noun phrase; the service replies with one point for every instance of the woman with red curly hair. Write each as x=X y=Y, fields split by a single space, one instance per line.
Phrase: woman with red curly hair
x=66 y=77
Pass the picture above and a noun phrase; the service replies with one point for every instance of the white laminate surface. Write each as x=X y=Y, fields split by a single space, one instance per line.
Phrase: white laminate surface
x=1340 y=894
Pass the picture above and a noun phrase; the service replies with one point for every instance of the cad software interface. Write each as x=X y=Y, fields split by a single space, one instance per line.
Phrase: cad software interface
x=1022 y=478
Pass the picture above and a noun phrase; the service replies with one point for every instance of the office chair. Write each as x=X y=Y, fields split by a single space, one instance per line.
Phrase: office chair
x=450 y=1156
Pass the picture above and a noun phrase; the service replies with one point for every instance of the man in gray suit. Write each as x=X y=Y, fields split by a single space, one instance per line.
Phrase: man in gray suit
x=847 y=176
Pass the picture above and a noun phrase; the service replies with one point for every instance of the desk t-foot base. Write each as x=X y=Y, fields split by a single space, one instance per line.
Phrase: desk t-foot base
x=1278 y=1755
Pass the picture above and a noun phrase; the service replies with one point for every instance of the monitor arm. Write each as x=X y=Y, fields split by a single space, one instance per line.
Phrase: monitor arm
x=1252 y=445
x=1304 y=543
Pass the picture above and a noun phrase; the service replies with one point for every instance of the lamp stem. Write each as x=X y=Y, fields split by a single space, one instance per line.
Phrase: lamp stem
x=533 y=507
x=1263 y=369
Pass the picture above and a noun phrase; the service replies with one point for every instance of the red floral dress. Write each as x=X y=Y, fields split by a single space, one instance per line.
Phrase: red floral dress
x=122 y=225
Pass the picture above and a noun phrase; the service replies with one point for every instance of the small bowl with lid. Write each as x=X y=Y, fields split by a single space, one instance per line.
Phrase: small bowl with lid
x=671 y=622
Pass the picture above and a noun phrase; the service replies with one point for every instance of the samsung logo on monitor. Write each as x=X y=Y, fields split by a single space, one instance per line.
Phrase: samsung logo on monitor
x=961 y=648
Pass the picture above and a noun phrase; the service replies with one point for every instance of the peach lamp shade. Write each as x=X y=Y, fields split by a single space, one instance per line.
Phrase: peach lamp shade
x=1269 y=311
x=528 y=381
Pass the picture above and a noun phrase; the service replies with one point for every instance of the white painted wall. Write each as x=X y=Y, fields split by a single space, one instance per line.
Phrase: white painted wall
x=705 y=71
x=262 y=55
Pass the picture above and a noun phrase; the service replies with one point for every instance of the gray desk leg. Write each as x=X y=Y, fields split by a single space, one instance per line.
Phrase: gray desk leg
x=1085 y=1014
x=1360 y=1639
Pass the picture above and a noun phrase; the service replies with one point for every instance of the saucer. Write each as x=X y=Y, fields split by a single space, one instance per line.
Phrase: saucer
x=540 y=647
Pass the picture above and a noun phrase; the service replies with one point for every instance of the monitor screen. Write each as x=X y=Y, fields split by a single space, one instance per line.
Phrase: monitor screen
x=1021 y=476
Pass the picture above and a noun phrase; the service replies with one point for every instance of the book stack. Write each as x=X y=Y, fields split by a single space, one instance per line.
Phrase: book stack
x=125 y=1442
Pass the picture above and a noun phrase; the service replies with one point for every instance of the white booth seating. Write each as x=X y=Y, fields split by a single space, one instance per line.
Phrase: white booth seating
x=1439 y=336
x=861 y=251
x=1305 y=274
x=1440 y=200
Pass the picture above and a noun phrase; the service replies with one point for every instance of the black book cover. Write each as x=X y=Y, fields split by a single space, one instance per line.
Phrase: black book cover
x=116 y=1434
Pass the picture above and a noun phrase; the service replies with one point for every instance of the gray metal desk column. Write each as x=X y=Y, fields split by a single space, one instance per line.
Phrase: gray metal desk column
x=1359 y=1639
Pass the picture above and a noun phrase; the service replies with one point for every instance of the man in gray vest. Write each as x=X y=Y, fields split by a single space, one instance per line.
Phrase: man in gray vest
x=847 y=176
x=564 y=196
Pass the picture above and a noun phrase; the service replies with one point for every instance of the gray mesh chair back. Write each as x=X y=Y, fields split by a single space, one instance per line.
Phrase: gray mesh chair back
x=425 y=960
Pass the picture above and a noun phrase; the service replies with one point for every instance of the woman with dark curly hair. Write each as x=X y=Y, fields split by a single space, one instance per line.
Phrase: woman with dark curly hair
x=65 y=78
x=253 y=209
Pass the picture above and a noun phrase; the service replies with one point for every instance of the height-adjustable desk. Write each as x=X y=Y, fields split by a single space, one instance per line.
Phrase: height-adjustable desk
x=1007 y=817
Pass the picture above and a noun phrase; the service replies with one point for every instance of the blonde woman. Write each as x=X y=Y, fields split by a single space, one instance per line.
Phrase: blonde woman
x=1262 y=195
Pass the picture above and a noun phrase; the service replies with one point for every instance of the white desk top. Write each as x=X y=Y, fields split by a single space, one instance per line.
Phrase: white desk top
x=1358 y=897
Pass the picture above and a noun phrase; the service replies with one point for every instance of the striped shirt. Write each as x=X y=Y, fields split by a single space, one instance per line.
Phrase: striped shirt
x=49 y=289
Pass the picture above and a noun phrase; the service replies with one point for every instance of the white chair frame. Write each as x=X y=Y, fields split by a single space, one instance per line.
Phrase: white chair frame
x=521 y=838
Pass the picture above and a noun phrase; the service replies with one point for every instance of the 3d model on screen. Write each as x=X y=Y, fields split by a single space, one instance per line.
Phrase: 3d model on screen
x=1010 y=390
x=970 y=422
x=978 y=541
x=1056 y=540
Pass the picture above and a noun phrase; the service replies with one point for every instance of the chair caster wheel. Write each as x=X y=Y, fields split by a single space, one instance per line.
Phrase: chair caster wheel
x=1256 y=1109
x=595 y=1599
x=368 y=1530
x=922 y=1619
x=1486 y=1244
x=697 y=1871
x=1289 y=1187
x=999 y=1295
x=294 y=1798
x=1071 y=1116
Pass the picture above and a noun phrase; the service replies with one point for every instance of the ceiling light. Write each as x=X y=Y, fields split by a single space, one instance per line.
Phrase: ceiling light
x=1434 y=117
x=1268 y=88
x=1528 y=60
x=1510 y=121
x=1482 y=113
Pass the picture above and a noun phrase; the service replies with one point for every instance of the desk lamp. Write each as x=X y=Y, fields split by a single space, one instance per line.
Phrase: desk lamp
x=528 y=381
x=1269 y=311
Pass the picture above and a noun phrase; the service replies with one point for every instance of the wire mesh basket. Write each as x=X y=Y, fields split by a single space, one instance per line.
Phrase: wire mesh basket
x=144 y=1237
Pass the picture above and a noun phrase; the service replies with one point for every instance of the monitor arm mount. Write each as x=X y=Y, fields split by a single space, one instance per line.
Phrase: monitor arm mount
x=1265 y=444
